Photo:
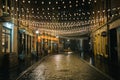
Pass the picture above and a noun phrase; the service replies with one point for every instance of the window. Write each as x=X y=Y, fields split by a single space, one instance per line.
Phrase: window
x=6 y=40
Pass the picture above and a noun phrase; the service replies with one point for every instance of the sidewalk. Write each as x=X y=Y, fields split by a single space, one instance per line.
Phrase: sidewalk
x=11 y=67
x=63 y=67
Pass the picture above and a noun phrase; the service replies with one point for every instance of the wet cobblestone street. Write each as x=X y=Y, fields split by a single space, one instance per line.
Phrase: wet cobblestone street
x=63 y=67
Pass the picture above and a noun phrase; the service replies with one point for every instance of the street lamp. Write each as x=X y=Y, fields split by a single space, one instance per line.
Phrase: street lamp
x=37 y=33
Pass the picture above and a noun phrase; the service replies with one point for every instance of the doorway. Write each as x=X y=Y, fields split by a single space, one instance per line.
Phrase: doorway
x=113 y=46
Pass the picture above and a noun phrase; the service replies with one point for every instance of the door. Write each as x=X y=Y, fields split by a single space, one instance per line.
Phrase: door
x=113 y=46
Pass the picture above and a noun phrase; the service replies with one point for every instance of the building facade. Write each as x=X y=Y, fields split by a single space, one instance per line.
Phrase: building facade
x=17 y=34
x=105 y=35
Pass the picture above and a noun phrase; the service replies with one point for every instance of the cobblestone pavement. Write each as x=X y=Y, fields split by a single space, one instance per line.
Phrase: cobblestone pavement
x=64 y=67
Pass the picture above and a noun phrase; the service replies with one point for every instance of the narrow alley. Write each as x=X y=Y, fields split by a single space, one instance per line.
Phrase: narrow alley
x=59 y=39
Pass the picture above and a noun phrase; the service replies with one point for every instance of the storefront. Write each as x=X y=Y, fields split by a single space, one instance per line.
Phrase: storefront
x=25 y=42
x=6 y=40
x=7 y=37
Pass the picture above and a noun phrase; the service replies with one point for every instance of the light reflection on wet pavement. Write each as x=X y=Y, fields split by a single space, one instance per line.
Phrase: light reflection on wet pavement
x=64 y=67
x=103 y=65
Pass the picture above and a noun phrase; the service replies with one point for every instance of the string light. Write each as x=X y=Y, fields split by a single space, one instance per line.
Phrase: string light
x=56 y=2
x=78 y=17
x=70 y=2
x=49 y=2
x=53 y=8
x=23 y=1
x=70 y=6
x=95 y=1
x=76 y=1
x=28 y=1
x=42 y=2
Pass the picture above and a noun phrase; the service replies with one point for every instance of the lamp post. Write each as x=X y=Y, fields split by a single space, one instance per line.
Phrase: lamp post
x=37 y=33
